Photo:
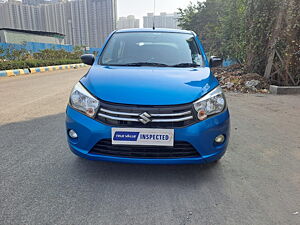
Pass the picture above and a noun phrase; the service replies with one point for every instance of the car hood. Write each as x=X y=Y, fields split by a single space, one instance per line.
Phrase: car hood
x=149 y=85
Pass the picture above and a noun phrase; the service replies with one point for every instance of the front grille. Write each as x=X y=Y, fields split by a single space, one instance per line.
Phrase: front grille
x=146 y=116
x=180 y=149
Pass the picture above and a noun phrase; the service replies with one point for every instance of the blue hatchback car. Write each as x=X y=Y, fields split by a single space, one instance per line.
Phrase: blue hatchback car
x=149 y=97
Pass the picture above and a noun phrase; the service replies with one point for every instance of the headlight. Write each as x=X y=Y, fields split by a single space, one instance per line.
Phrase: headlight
x=210 y=104
x=83 y=101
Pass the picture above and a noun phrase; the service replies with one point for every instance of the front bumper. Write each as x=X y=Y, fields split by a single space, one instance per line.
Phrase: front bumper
x=201 y=135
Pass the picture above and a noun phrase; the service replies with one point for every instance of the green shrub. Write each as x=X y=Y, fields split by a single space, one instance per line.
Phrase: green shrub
x=47 y=54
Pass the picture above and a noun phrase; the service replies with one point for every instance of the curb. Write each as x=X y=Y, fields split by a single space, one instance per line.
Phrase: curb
x=18 y=72
x=10 y=73
x=284 y=90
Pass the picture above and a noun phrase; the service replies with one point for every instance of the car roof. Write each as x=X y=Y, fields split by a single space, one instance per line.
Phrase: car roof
x=166 y=30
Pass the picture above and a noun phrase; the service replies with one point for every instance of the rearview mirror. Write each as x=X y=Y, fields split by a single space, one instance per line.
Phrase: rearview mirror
x=215 y=61
x=88 y=59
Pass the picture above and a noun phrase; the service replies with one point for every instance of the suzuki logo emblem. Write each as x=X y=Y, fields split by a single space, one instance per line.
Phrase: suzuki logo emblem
x=145 y=118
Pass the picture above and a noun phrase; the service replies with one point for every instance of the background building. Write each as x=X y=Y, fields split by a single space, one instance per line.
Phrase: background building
x=102 y=20
x=34 y=2
x=128 y=22
x=83 y=22
x=14 y=36
x=163 y=20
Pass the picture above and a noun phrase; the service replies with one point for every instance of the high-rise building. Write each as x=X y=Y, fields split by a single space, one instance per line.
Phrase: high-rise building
x=102 y=15
x=163 y=20
x=84 y=22
x=128 y=22
x=33 y=2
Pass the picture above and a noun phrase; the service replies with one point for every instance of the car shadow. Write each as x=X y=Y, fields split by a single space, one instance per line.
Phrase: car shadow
x=42 y=142
x=139 y=170
x=40 y=175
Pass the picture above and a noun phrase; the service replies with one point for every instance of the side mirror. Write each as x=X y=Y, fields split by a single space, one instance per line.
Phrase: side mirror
x=88 y=59
x=215 y=61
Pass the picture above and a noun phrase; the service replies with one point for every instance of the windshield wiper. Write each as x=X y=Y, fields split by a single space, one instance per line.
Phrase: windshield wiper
x=186 y=65
x=143 y=64
x=156 y=64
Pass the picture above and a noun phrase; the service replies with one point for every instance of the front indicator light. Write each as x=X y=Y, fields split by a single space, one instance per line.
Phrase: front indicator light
x=202 y=115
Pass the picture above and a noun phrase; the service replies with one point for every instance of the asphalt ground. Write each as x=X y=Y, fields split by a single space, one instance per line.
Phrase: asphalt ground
x=42 y=182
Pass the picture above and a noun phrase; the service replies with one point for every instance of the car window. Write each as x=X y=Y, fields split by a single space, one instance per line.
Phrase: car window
x=169 y=49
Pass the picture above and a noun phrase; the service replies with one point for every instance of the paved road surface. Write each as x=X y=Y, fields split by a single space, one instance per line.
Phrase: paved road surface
x=42 y=182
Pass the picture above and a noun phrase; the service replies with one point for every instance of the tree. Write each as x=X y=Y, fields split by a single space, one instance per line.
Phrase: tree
x=262 y=34
x=233 y=31
x=260 y=20
x=220 y=25
x=204 y=19
x=2 y=53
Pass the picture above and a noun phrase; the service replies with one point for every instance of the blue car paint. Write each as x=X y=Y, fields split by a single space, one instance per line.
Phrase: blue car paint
x=145 y=86
x=200 y=135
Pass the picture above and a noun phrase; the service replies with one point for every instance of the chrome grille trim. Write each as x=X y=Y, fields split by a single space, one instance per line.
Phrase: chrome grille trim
x=171 y=114
x=172 y=120
x=152 y=116
x=117 y=118
x=153 y=120
x=119 y=113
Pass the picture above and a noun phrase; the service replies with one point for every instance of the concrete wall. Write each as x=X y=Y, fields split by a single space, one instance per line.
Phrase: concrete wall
x=36 y=47
x=2 y=36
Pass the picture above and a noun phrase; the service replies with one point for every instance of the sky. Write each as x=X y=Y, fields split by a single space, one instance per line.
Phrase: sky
x=140 y=8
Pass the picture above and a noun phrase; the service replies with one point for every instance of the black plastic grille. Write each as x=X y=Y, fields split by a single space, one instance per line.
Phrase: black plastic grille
x=180 y=149
x=112 y=114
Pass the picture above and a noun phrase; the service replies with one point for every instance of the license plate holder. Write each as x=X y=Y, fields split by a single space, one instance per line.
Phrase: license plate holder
x=142 y=136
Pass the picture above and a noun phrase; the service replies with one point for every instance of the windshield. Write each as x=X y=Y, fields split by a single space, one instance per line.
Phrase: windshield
x=152 y=49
